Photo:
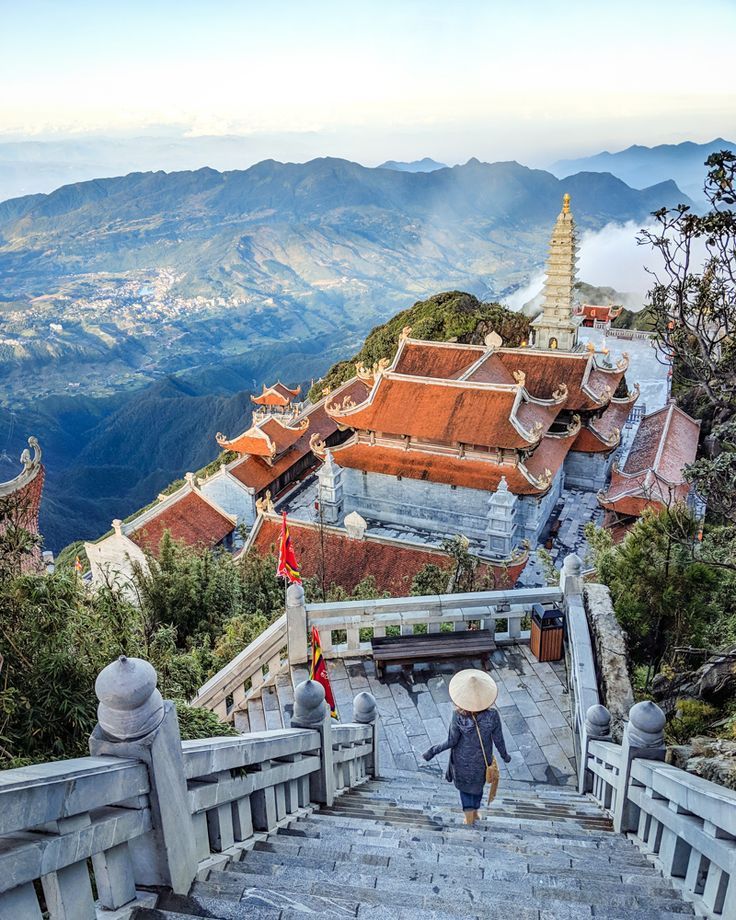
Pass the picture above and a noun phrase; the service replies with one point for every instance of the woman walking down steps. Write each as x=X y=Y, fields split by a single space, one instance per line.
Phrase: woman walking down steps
x=474 y=729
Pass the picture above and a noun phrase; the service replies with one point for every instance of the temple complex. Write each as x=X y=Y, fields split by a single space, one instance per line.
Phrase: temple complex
x=479 y=440
x=592 y=314
x=20 y=501
x=666 y=441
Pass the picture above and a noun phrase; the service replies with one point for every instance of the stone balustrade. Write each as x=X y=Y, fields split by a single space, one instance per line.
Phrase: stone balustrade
x=432 y=612
x=147 y=809
x=685 y=823
x=255 y=667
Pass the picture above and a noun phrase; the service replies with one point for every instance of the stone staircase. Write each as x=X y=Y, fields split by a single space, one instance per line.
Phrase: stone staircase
x=396 y=847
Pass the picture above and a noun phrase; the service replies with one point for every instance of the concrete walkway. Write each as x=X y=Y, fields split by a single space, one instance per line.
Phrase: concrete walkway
x=533 y=703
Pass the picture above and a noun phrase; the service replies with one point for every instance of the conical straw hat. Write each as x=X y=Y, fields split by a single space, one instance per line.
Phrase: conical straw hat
x=473 y=690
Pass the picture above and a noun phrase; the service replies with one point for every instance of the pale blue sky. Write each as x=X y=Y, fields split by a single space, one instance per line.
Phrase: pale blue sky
x=525 y=79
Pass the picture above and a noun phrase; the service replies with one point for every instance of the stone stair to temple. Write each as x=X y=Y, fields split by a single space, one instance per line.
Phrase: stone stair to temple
x=396 y=847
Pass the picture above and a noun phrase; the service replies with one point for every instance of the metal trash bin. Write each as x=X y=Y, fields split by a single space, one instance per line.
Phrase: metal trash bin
x=548 y=627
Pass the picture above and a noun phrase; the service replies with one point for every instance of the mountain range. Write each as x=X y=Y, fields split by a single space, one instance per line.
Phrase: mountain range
x=426 y=164
x=137 y=313
x=642 y=166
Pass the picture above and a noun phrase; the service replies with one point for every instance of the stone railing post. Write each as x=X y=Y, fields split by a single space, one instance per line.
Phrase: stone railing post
x=366 y=712
x=643 y=737
x=571 y=576
x=296 y=625
x=597 y=727
x=134 y=722
x=311 y=711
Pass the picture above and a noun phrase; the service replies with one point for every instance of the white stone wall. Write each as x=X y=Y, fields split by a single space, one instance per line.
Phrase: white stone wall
x=439 y=507
x=587 y=471
x=227 y=493
x=111 y=559
x=427 y=505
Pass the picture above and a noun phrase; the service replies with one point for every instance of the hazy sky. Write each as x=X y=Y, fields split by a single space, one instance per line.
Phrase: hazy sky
x=451 y=79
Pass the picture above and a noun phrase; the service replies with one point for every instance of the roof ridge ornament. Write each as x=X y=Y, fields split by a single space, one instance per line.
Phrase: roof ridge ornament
x=405 y=333
x=317 y=444
x=560 y=393
x=520 y=377
x=493 y=340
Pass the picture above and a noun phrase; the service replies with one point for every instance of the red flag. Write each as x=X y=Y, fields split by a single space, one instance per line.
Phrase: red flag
x=78 y=564
x=318 y=672
x=288 y=567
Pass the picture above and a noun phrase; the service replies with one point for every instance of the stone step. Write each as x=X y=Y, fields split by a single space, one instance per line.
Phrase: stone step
x=387 y=816
x=504 y=864
x=458 y=834
x=378 y=877
x=313 y=883
x=459 y=837
x=467 y=856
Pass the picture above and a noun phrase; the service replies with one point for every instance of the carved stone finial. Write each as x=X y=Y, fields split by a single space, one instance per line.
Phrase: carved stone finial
x=573 y=564
x=117 y=526
x=130 y=706
x=493 y=340
x=295 y=595
x=355 y=526
x=364 y=708
x=520 y=377
x=310 y=707
x=645 y=728
x=503 y=486
x=317 y=445
x=191 y=480
x=598 y=722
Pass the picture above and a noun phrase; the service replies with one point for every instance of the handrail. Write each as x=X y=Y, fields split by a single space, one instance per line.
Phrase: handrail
x=247 y=668
x=170 y=813
x=54 y=817
x=685 y=823
x=425 y=611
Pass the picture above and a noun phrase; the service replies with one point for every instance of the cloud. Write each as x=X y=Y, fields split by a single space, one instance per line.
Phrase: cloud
x=610 y=257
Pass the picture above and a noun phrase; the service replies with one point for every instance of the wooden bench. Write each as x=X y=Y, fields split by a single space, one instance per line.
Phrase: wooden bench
x=406 y=650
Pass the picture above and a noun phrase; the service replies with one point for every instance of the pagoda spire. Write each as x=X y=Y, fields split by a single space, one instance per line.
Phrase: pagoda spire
x=557 y=326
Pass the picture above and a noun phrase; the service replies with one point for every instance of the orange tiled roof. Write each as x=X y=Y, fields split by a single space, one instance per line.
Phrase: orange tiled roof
x=347 y=560
x=277 y=395
x=665 y=443
x=257 y=474
x=448 y=412
x=466 y=472
x=264 y=439
x=191 y=520
x=600 y=312
x=589 y=385
x=603 y=434
x=443 y=360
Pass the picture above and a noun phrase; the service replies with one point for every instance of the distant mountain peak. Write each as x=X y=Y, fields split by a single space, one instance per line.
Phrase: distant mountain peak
x=426 y=164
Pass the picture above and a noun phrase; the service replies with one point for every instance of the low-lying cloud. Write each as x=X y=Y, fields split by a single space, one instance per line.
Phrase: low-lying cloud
x=610 y=257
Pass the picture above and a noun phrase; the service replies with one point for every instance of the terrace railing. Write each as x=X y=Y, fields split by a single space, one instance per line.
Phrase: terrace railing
x=257 y=666
x=686 y=824
x=150 y=810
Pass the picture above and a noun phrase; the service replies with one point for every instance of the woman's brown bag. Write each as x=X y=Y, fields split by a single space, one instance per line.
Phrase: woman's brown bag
x=493 y=774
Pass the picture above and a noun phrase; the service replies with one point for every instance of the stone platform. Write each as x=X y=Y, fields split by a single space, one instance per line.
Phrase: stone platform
x=533 y=703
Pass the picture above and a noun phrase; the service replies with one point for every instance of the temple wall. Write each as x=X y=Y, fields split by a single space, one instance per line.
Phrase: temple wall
x=439 y=507
x=414 y=503
x=588 y=471
x=111 y=559
x=533 y=511
x=229 y=495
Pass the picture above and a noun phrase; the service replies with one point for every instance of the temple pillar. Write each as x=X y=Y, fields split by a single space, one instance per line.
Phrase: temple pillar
x=330 y=490
x=501 y=529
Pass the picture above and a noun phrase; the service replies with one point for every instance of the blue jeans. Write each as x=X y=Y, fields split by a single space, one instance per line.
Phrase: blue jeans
x=470 y=801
